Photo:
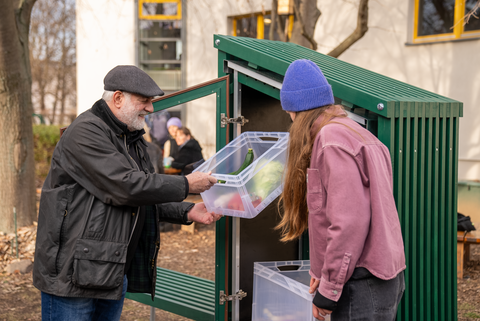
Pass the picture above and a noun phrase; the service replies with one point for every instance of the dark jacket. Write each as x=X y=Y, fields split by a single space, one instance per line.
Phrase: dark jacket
x=156 y=157
x=89 y=206
x=188 y=153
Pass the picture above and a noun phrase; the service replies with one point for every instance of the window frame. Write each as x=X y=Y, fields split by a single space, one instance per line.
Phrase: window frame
x=260 y=23
x=458 y=32
x=178 y=16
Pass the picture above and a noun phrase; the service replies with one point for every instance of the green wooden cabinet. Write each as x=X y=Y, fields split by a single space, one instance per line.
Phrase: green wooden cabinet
x=419 y=127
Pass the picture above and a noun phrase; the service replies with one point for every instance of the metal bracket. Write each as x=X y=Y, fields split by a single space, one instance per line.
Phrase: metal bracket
x=238 y=296
x=239 y=120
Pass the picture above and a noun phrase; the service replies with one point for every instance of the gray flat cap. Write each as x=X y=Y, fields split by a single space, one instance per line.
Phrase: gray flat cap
x=131 y=79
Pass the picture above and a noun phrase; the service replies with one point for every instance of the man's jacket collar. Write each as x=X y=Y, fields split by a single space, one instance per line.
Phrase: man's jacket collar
x=101 y=110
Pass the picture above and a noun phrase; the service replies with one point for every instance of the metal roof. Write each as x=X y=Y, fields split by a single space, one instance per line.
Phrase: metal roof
x=353 y=84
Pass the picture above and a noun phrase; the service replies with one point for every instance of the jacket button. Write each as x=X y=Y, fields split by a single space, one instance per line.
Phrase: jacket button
x=133 y=214
x=85 y=250
x=117 y=253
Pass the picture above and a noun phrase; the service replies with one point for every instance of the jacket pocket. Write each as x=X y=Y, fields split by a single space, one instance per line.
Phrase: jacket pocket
x=314 y=190
x=98 y=264
x=52 y=215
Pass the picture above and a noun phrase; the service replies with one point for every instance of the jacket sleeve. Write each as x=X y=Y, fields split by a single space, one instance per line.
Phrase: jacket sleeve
x=175 y=212
x=348 y=215
x=90 y=157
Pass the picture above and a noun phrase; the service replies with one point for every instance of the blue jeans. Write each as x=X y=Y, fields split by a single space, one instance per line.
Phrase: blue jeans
x=56 y=308
x=366 y=297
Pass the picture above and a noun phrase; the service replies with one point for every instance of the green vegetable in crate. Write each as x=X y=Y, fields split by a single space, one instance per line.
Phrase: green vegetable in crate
x=246 y=162
x=267 y=179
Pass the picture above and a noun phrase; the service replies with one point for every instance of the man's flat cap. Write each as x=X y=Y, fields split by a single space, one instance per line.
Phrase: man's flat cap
x=131 y=79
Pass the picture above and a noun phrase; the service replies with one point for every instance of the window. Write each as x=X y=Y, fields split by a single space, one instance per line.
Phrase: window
x=160 y=9
x=441 y=20
x=160 y=43
x=257 y=25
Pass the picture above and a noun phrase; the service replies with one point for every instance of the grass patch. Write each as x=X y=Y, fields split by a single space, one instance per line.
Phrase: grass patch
x=471 y=315
x=465 y=306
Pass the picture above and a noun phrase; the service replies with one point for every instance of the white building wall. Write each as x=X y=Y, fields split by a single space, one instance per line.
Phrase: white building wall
x=105 y=39
x=204 y=19
x=448 y=69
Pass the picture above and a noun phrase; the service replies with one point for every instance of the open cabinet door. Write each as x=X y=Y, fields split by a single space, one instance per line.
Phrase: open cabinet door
x=219 y=87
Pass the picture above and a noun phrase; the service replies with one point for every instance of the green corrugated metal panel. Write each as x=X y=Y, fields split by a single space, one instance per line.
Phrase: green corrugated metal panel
x=421 y=130
x=182 y=294
x=351 y=83
x=424 y=153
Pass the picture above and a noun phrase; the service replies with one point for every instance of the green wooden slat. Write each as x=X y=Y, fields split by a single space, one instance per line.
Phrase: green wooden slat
x=421 y=205
x=413 y=199
x=223 y=227
x=184 y=301
x=428 y=210
x=435 y=200
x=442 y=225
x=451 y=212
x=407 y=219
x=454 y=218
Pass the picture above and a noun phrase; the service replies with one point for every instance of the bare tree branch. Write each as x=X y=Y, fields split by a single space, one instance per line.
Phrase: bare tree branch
x=314 y=14
x=358 y=33
x=472 y=13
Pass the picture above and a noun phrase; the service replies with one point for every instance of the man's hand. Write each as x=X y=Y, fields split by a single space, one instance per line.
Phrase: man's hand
x=200 y=182
x=199 y=214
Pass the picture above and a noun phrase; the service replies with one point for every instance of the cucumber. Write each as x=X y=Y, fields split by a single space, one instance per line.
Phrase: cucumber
x=246 y=162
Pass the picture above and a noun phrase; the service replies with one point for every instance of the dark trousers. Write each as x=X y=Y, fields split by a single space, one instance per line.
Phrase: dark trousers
x=366 y=297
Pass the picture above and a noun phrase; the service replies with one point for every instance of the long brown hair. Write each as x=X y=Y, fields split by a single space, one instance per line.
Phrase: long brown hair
x=294 y=197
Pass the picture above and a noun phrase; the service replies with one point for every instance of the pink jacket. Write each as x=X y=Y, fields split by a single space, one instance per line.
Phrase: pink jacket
x=353 y=221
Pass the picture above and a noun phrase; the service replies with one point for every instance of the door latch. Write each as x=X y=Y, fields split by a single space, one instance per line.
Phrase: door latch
x=237 y=296
x=239 y=120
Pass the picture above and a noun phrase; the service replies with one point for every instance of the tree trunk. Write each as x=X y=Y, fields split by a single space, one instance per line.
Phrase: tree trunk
x=306 y=14
x=17 y=169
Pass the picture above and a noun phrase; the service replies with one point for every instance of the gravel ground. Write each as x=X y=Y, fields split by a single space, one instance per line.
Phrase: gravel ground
x=180 y=251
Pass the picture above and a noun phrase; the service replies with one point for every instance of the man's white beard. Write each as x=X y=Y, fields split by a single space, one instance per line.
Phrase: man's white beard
x=129 y=116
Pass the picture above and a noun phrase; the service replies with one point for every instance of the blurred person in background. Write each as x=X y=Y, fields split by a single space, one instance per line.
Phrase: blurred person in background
x=170 y=148
x=154 y=151
x=189 y=150
x=157 y=125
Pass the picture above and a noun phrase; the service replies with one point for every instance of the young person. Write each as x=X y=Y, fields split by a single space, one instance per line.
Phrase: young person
x=189 y=150
x=339 y=185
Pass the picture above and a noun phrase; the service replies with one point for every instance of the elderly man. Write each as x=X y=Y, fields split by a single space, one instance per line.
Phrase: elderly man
x=101 y=204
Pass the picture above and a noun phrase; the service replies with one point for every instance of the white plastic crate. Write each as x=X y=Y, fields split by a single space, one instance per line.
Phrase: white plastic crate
x=282 y=294
x=248 y=193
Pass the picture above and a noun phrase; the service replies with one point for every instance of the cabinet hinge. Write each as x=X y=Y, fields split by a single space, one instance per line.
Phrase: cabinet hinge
x=239 y=120
x=238 y=296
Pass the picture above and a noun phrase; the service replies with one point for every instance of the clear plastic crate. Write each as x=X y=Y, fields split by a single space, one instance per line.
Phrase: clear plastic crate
x=280 y=291
x=248 y=193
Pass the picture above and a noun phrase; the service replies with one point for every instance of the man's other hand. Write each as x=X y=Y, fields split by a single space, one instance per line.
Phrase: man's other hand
x=199 y=214
x=200 y=182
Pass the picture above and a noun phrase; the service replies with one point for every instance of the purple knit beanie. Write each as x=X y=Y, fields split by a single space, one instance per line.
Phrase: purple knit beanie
x=305 y=87
x=174 y=121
